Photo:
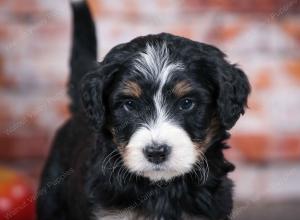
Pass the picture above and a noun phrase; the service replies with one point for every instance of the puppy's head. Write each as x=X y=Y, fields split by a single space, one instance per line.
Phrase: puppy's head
x=164 y=99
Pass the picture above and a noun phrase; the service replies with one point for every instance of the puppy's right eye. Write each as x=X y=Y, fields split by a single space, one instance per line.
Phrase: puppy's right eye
x=186 y=104
x=129 y=105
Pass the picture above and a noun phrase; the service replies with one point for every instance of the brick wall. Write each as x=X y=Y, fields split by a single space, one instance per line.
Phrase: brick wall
x=263 y=36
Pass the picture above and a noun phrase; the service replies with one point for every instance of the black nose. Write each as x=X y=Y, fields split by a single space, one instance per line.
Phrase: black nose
x=157 y=153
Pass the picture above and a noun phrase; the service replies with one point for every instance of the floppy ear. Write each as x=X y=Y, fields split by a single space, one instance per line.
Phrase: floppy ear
x=92 y=87
x=234 y=89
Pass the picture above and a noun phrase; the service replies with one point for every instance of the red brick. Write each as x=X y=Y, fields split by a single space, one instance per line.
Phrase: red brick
x=293 y=69
x=263 y=79
x=17 y=147
x=184 y=31
x=289 y=147
x=7 y=82
x=133 y=11
x=62 y=109
x=1 y=64
x=5 y=115
x=26 y=8
x=254 y=105
x=3 y=33
x=223 y=33
x=2 y=77
x=96 y=7
x=264 y=148
x=292 y=27
x=253 y=147
x=49 y=30
x=276 y=7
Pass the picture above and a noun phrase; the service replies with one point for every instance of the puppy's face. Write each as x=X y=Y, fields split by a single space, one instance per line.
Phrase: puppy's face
x=159 y=115
x=162 y=110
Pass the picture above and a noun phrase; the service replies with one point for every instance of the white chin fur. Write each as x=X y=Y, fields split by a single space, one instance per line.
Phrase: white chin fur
x=160 y=175
x=180 y=161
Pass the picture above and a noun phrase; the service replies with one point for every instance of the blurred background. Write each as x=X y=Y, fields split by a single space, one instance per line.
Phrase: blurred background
x=262 y=36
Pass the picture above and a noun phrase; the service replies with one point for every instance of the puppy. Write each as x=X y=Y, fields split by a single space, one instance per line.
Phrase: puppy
x=148 y=127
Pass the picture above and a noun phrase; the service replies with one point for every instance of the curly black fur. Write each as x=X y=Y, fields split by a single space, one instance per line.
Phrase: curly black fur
x=85 y=141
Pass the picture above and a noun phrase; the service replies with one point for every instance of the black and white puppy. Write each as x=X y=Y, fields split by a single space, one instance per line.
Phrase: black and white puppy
x=147 y=131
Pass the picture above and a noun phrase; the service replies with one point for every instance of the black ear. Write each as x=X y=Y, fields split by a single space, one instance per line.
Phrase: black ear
x=234 y=89
x=92 y=87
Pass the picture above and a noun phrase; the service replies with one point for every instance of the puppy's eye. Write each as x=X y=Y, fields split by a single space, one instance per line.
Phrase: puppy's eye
x=186 y=104
x=129 y=105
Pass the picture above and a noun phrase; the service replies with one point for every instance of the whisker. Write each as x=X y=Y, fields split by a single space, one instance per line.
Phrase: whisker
x=109 y=155
x=115 y=165
x=104 y=165
x=201 y=169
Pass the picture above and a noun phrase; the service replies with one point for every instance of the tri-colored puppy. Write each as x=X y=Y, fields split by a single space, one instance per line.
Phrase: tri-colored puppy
x=148 y=129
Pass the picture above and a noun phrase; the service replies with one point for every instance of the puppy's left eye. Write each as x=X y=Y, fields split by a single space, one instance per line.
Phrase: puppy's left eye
x=129 y=105
x=186 y=104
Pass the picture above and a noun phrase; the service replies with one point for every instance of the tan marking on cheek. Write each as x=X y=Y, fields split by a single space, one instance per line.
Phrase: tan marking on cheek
x=120 y=146
x=202 y=145
x=122 y=152
x=132 y=89
x=113 y=132
x=182 y=88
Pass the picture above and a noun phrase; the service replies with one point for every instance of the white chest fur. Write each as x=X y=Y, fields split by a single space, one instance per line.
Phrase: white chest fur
x=115 y=215
x=129 y=215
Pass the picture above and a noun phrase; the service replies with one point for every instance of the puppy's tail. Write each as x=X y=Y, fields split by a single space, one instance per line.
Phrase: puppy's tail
x=84 y=49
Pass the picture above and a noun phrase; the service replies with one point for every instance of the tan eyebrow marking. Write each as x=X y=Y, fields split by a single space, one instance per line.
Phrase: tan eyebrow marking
x=182 y=88
x=132 y=88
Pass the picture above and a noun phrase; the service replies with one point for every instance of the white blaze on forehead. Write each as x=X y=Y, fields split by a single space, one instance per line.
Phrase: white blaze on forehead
x=155 y=65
